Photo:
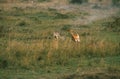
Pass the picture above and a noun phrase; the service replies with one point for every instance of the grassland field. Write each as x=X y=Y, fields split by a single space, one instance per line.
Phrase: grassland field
x=28 y=49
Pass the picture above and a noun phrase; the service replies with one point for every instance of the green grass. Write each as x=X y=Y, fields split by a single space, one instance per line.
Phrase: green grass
x=28 y=49
x=84 y=65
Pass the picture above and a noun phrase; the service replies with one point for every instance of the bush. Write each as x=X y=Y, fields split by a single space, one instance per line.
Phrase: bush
x=63 y=16
x=22 y=23
x=114 y=25
x=3 y=63
x=78 y=1
x=43 y=0
x=116 y=2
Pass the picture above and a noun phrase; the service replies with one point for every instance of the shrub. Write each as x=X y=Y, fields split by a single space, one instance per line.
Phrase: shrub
x=3 y=63
x=116 y=2
x=78 y=1
x=22 y=23
x=61 y=16
x=114 y=25
x=43 y=0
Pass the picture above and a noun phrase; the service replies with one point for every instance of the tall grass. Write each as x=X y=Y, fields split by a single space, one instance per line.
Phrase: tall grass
x=26 y=40
x=50 y=51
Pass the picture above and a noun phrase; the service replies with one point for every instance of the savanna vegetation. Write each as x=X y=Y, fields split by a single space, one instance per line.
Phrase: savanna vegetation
x=28 y=49
x=78 y=1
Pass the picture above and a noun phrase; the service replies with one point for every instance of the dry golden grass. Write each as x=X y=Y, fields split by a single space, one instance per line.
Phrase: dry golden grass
x=40 y=47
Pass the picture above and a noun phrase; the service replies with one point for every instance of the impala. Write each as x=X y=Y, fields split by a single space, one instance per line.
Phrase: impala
x=56 y=35
x=75 y=36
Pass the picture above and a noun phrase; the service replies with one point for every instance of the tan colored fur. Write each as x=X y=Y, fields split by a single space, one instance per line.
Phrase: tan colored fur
x=75 y=36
